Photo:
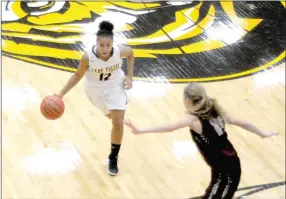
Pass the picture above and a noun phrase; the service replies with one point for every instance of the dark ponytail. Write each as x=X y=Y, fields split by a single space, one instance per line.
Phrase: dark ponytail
x=105 y=29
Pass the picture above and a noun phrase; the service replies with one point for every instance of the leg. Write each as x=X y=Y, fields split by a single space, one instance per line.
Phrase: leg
x=117 y=117
x=113 y=105
x=224 y=182
x=222 y=186
x=234 y=178
x=217 y=186
x=96 y=97
x=115 y=101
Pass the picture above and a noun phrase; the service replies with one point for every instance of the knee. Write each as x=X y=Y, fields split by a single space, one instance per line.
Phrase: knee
x=117 y=123
x=117 y=120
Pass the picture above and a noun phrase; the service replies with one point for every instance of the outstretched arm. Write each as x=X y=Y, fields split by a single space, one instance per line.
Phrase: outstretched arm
x=248 y=126
x=164 y=128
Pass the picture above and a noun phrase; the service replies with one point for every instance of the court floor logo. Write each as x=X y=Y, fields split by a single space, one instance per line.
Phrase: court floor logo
x=177 y=41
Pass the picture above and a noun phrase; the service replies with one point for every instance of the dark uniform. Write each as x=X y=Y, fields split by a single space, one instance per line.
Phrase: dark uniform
x=221 y=156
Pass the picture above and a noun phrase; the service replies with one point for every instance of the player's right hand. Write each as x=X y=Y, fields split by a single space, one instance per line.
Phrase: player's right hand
x=265 y=135
x=58 y=95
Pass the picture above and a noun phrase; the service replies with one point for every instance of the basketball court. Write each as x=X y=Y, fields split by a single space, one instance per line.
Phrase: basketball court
x=235 y=49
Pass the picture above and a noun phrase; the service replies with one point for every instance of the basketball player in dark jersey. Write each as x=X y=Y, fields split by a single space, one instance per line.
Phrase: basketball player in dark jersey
x=206 y=121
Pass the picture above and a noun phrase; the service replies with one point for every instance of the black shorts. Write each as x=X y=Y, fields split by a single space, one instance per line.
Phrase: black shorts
x=224 y=181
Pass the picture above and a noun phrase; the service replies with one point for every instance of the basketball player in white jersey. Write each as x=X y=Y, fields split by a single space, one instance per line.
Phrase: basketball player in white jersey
x=105 y=83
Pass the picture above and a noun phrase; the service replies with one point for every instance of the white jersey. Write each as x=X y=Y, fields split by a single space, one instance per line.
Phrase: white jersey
x=104 y=73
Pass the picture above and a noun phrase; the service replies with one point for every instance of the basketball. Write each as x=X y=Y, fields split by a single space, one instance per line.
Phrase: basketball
x=52 y=107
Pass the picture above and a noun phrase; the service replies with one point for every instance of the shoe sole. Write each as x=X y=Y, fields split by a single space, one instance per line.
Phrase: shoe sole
x=112 y=174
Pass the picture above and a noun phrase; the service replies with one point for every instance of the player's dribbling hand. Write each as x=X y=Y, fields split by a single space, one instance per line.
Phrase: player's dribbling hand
x=58 y=95
x=133 y=128
x=128 y=83
x=265 y=135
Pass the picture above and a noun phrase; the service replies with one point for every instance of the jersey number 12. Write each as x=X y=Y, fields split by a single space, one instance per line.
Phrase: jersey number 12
x=104 y=77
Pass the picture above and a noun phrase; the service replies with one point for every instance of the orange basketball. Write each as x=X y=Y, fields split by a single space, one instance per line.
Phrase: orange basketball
x=52 y=107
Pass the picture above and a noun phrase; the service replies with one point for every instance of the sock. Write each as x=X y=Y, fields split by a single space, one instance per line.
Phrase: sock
x=114 y=150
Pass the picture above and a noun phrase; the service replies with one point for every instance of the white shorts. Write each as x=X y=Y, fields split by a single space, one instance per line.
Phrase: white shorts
x=107 y=99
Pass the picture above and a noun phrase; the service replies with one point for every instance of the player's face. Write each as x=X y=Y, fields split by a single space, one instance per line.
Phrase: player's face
x=104 y=46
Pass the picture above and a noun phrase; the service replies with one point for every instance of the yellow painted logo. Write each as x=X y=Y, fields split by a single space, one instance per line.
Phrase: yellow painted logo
x=198 y=41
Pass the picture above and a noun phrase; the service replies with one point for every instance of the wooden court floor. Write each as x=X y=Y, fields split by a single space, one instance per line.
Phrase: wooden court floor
x=177 y=40
x=66 y=158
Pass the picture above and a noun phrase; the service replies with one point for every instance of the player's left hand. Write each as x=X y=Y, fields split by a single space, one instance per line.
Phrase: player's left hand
x=128 y=83
x=133 y=128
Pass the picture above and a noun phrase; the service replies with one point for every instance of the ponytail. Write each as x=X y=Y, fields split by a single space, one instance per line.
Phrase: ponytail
x=202 y=106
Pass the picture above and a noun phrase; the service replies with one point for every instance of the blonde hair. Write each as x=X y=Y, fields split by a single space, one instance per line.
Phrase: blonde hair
x=201 y=105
